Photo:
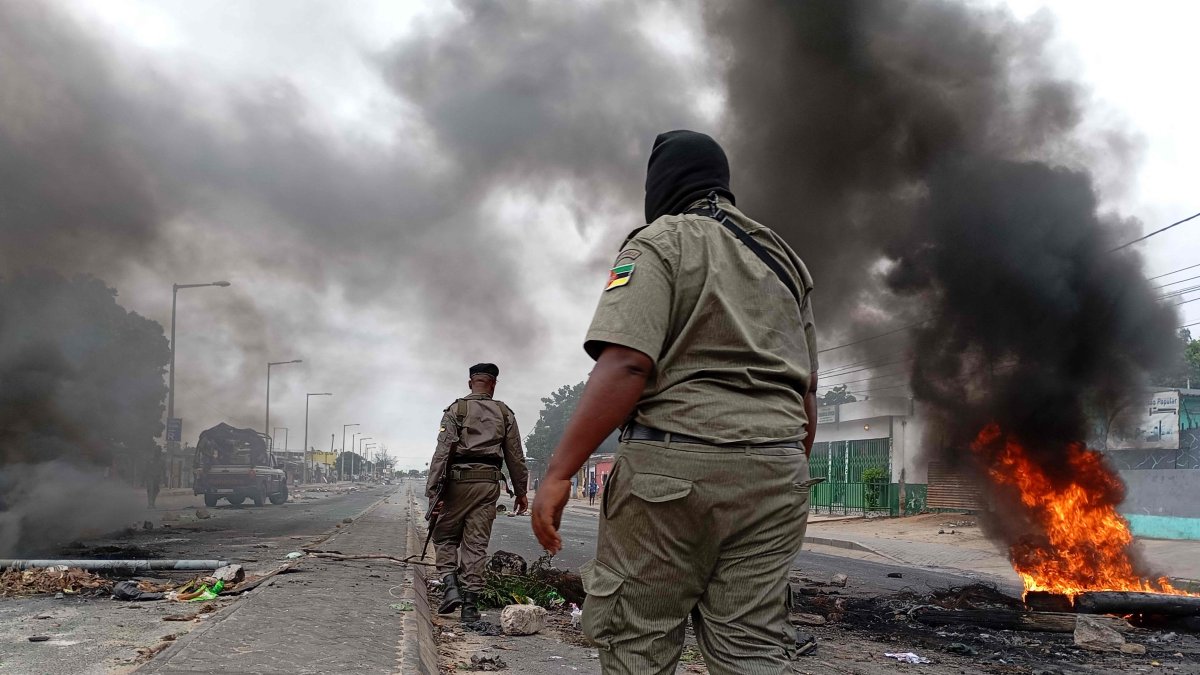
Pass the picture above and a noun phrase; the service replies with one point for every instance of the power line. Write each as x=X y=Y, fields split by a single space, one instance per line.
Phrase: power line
x=1167 y=274
x=873 y=360
x=1172 y=283
x=859 y=370
x=873 y=337
x=1160 y=231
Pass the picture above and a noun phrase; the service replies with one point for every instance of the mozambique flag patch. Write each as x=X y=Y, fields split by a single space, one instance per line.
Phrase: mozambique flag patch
x=619 y=276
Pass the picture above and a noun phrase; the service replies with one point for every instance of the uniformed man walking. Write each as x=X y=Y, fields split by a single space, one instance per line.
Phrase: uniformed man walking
x=154 y=475
x=705 y=351
x=478 y=435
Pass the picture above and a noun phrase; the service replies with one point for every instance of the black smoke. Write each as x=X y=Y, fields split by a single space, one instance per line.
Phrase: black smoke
x=932 y=167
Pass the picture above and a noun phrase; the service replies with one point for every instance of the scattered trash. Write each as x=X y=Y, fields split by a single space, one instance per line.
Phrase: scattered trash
x=60 y=580
x=293 y=555
x=487 y=661
x=576 y=614
x=839 y=580
x=202 y=513
x=961 y=648
x=483 y=628
x=129 y=590
x=803 y=619
x=505 y=563
x=906 y=657
x=403 y=606
x=39 y=638
x=895 y=575
x=230 y=574
x=522 y=619
x=1133 y=649
x=806 y=643
x=1092 y=634
x=347 y=521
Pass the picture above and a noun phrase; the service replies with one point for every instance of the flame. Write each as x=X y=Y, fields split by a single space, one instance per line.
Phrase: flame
x=1084 y=545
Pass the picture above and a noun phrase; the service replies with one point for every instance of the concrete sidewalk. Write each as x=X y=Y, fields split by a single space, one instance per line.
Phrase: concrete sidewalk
x=331 y=616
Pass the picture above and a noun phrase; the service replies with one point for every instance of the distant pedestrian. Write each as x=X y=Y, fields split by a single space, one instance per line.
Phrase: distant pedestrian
x=706 y=356
x=154 y=474
x=478 y=435
x=592 y=490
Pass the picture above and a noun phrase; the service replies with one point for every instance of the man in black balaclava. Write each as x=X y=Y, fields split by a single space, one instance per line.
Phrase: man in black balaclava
x=706 y=353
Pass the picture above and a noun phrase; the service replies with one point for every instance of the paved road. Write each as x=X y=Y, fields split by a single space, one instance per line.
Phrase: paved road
x=868 y=577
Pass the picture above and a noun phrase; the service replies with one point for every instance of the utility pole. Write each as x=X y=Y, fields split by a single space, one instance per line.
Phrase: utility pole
x=267 y=425
x=175 y=288
x=304 y=453
x=342 y=463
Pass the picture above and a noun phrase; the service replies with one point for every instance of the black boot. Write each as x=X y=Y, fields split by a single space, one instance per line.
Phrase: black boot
x=451 y=600
x=470 y=612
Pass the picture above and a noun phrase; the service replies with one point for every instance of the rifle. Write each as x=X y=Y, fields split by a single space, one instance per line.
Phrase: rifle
x=431 y=514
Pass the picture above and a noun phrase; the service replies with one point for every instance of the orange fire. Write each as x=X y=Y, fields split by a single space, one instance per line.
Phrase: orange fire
x=1085 y=545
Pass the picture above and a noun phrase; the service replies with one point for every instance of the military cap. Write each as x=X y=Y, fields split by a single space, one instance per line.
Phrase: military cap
x=485 y=369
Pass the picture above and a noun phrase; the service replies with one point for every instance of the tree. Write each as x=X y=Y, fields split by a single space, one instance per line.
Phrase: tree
x=557 y=409
x=82 y=377
x=836 y=396
x=1184 y=368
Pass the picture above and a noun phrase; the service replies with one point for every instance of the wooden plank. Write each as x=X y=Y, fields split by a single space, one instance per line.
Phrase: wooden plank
x=1006 y=619
x=1122 y=602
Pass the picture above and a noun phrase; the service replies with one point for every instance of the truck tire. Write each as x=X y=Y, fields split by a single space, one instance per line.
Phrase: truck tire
x=281 y=496
x=260 y=495
x=236 y=500
x=210 y=500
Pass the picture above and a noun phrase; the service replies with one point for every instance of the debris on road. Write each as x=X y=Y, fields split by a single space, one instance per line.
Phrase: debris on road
x=507 y=564
x=39 y=638
x=129 y=590
x=130 y=566
x=294 y=555
x=906 y=657
x=230 y=574
x=57 y=579
x=486 y=660
x=202 y=513
x=522 y=619
x=1091 y=633
x=839 y=580
x=803 y=619
x=576 y=615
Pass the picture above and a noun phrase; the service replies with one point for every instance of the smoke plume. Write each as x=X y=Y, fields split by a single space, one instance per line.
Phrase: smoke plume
x=930 y=167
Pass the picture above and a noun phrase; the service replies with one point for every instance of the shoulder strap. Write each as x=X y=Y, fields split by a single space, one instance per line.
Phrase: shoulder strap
x=460 y=412
x=712 y=210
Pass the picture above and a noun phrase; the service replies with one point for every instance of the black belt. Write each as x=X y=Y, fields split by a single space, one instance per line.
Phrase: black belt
x=489 y=460
x=641 y=432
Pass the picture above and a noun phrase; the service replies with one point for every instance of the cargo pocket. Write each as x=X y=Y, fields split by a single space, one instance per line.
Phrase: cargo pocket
x=656 y=488
x=603 y=617
x=605 y=497
x=803 y=490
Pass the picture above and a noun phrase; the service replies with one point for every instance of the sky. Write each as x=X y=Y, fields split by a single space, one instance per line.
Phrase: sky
x=344 y=166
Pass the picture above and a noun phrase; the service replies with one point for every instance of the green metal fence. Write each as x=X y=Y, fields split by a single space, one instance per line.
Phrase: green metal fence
x=858 y=477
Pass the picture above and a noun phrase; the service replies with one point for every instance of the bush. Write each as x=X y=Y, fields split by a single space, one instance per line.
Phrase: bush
x=873 y=480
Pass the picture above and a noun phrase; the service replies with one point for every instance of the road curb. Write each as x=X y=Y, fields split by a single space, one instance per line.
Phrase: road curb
x=422 y=651
x=851 y=545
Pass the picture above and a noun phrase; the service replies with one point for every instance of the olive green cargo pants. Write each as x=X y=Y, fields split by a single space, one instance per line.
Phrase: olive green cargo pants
x=701 y=530
x=463 y=530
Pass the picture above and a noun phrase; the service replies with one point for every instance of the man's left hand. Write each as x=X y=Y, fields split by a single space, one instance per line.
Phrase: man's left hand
x=521 y=504
x=548 y=507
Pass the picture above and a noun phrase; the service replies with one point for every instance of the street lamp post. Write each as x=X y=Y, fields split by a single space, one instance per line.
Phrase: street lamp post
x=360 y=446
x=267 y=425
x=175 y=301
x=368 y=448
x=341 y=464
x=304 y=452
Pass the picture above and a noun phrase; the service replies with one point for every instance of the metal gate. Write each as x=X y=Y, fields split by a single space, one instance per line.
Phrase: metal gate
x=858 y=477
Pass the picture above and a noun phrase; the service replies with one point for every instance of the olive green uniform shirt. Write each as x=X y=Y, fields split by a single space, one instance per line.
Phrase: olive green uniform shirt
x=733 y=353
x=489 y=432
